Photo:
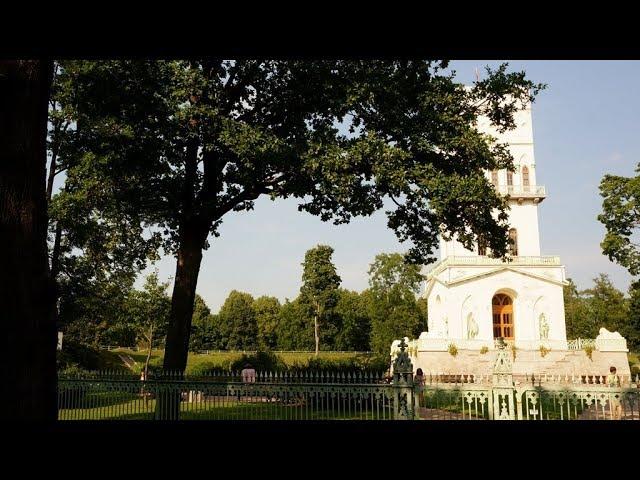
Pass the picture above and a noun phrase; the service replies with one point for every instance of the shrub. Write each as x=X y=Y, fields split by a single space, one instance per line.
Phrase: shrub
x=453 y=350
x=262 y=361
x=588 y=349
x=484 y=350
x=74 y=354
x=544 y=350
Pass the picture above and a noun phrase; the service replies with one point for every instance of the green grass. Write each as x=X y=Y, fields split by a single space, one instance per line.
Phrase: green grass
x=225 y=408
x=223 y=359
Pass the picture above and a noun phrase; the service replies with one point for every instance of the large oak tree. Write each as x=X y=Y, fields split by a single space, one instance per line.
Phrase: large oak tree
x=28 y=333
x=184 y=143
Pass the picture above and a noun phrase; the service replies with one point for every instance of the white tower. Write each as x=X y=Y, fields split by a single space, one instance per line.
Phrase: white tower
x=473 y=298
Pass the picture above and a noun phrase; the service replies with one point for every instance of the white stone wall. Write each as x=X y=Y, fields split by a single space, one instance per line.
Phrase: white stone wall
x=449 y=305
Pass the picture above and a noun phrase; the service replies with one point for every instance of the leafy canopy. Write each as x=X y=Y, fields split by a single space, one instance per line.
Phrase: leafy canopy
x=179 y=144
x=621 y=218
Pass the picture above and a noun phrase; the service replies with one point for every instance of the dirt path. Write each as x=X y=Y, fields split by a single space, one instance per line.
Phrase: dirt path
x=127 y=360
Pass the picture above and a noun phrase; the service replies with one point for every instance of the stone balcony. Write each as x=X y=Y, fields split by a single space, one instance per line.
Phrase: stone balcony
x=480 y=260
x=520 y=192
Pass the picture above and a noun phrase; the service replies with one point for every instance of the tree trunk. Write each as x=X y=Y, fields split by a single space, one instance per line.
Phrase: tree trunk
x=28 y=334
x=146 y=362
x=316 y=333
x=192 y=240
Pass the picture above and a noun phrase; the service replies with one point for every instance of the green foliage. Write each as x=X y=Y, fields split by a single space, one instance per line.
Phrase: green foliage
x=452 y=349
x=237 y=322
x=178 y=144
x=148 y=310
x=295 y=330
x=579 y=321
x=267 y=310
x=484 y=350
x=543 y=351
x=76 y=356
x=354 y=321
x=607 y=306
x=261 y=361
x=588 y=349
x=319 y=289
x=391 y=301
x=632 y=331
x=620 y=216
x=201 y=312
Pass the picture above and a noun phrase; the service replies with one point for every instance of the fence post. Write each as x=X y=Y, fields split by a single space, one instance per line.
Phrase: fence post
x=403 y=388
x=503 y=390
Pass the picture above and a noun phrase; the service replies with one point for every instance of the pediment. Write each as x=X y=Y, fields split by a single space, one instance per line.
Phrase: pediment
x=494 y=271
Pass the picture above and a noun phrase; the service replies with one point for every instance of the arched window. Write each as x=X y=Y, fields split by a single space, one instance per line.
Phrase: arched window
x=513 y=242
x=482 y=246
x=502 y=306
x=494 y=177
x=509 y=177
x=525 y=178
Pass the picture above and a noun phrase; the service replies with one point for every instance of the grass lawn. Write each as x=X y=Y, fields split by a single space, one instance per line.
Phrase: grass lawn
x=217 y=408
x=222 y=359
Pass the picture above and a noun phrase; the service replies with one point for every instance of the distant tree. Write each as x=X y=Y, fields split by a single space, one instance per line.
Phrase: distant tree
x=320 y=284
x=579 y=320
x=267 y=311
x=391 y=300
x=354 y=321
x=148 y=313
x=93 y=305
x=201 y=311
x=607 y=306
x=633 y=328
x=202 y=336
x=237 y=320
x=621 y=218
x=422 y=304
x=295 y=326
x=28 y=334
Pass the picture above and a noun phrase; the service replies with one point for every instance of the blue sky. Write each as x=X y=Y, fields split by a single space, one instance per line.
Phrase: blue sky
x=585 y=124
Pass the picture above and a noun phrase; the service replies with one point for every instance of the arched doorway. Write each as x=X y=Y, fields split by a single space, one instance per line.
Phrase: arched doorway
x=502 y=316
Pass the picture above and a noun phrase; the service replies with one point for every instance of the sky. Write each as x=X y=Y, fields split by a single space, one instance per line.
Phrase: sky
x=585 y=124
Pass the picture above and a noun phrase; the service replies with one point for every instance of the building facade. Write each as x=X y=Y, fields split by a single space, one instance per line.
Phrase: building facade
x=475 y=298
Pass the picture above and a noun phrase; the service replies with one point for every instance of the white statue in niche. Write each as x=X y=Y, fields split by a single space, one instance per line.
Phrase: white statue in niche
x=472 y=327
x=544 y=327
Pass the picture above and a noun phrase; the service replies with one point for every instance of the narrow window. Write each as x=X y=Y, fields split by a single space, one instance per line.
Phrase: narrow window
x=494 y=177
x=509 y=178
x=513 y=242
x=525 y=178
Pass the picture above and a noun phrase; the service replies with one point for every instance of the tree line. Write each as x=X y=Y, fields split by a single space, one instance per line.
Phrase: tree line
x=347 y=320
x=603 y=305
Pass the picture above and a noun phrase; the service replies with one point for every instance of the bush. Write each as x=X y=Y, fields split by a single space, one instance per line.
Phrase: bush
x=74 y=354
x=484 y=350
x=453 y=350
x=588 y=349
x=262 y=361
x=544 y=350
